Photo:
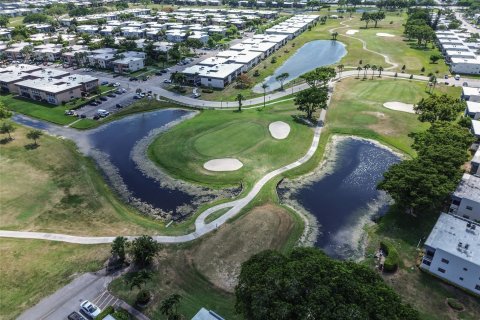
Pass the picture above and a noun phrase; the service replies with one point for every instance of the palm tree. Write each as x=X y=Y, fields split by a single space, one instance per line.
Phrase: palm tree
x=365 y=69
x=359 y=69
x=340 y=68
x=169 y=306
x=380 y=69
x=34 y=135
x=374 y=67
x=137 y=279
x=264 y=87
x=239 y=99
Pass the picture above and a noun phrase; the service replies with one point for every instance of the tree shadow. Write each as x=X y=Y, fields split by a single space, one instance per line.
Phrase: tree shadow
x=5 y=140
x=31 y=146
x=303 y=120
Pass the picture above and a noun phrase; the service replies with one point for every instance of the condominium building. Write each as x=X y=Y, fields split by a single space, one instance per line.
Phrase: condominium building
x=466 y=198
x=452 y=252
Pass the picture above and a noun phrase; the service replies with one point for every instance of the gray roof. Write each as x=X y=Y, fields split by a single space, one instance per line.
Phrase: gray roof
x=204 y=314
x=456 y=236
x=468 y=188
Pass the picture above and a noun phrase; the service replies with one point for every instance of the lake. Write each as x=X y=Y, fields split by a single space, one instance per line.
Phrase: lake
x=112 y=145
x=343 y=196
x=311 y=55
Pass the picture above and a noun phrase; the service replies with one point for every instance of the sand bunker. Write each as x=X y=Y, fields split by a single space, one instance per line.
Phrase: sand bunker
x=225 y=164
x=399 y=106
x=279 y=129
x=352 y=31
x=381 y=34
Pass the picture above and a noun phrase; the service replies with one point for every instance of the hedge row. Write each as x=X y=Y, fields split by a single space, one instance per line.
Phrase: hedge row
x=392 y=259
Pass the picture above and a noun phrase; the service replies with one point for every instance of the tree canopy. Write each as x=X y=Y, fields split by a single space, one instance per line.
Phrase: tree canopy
x=307 y=284
x=311 y=99
x=319 y=77
x=439 y=108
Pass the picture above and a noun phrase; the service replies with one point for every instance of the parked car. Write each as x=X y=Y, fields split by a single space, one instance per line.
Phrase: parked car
x=104 y=83
x=83 y=116
x=70 y=113
x=124 y=90
x=96 y=117
x=457 y=77
x=118 y=91
x=103 y=98
x=196 y=95
x=119 y=106
x=102 y=113
x=446 y=76
x=133 y=79
x=116 y=84
x=112 y=95
x=465 y=84
x=93 y=103
x=75 y=316
x=137 y=97
x=90 y=309
x=158 y=73
x=167 y=81
x=145 y=78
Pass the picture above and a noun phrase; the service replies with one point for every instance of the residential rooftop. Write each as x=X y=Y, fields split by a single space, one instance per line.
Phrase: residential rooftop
x=457 y=236
x=468 y=188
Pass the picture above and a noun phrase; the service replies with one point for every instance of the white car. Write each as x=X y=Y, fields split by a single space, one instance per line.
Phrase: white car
x=90 y=309
x=116 y=84
x=102 y=113
x=167 y=81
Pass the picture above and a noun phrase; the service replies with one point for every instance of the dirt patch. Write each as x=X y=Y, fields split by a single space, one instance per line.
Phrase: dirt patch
x=384 y=124
x=219 y=256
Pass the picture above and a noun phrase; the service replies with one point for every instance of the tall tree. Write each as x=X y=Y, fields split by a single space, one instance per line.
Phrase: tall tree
x=144 y=249
x=169 y=306
x=311 y=99
x=319 y=77
x=439 y=108
x=7 y=128
x=119 y=245
x=34 y=135
x=307 y=284
x=264 y=87
x=281 y=78
x=239 y=98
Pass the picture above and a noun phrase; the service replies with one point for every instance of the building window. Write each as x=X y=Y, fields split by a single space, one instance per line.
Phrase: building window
x=477 y=287
x=465 y=269
x=469 y=208
x=441 y=270
x=445 y=261
x=461 y=279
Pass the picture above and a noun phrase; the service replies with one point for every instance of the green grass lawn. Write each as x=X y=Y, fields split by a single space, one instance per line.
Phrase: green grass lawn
x=184 y=149
x=33 y=269
x=15 y=21
x=357 y=109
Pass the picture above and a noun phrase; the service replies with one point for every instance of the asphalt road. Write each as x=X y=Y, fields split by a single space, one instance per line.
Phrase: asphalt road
x=59 y=305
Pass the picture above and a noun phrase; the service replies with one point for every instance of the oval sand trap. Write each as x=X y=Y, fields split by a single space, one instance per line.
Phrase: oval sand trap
x=352 y=31
x=382 y=34
x=279 y=130
x=399 y=106
x=224 y=164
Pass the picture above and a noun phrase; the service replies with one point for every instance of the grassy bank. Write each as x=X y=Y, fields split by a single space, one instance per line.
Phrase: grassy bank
x=204 y=272
x=33 y=269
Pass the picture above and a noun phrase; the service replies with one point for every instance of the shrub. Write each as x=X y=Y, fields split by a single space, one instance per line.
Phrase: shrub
x=256 y=73
x=108 y=310
x=455 y=304
x=122 y=314
x=143 y=297
x=392 y=259
x=207 y=90
x=411 y=76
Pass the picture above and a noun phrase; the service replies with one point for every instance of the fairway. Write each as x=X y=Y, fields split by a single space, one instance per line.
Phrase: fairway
x=239 y=135
x=357 y=109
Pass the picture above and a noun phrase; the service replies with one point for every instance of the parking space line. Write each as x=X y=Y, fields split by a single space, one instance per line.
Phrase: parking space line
x=102 y=301
x=97 y=298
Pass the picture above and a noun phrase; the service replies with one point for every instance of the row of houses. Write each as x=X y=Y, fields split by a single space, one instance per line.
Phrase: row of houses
x=52 y=86
x=226 y=66
x=452 y=250
x=461 y=51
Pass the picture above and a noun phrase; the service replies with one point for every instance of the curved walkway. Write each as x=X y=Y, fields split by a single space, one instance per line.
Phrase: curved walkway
x=202 y=228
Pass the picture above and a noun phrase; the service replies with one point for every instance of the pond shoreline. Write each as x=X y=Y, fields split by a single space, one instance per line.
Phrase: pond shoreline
x=288 y=194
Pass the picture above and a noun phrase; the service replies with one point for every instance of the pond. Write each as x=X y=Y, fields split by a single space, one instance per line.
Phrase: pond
x=342 y=195
x=112 y=147
x=311 y=55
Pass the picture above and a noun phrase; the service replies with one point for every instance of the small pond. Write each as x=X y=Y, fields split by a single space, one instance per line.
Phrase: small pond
x=311 y=55
x=343 y=197
x=111 y=147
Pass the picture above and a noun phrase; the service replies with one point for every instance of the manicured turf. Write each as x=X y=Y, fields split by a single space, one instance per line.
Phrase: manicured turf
x=357 y=109
x=183 y=150
x=33 y=269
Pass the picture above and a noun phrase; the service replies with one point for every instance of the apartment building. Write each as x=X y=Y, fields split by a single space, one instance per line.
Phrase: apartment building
x=466 y=198
x=452 y=252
